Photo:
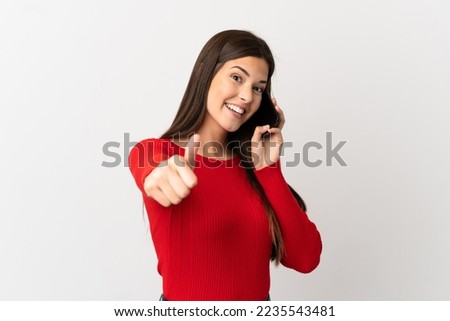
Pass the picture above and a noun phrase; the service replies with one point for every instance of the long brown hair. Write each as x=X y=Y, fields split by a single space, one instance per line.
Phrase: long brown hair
x=224 y=46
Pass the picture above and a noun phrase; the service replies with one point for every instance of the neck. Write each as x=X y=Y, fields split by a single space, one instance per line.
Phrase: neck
x=213 y=143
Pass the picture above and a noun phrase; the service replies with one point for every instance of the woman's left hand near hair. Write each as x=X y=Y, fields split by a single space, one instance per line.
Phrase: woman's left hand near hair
x=266 y=150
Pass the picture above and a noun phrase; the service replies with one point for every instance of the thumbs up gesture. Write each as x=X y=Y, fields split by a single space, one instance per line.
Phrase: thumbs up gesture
x=173 y=179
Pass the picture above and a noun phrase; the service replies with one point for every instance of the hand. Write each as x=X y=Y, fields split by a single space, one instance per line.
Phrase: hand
x=173 y=179
x=266 y=150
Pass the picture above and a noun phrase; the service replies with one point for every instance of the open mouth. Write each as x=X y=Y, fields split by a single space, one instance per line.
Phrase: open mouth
x=235 y=108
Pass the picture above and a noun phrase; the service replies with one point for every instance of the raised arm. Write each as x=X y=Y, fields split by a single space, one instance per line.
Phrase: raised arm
x=302 y=241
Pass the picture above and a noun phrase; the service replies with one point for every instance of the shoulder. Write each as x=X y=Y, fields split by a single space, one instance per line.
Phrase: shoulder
x=151 y=151
x=153 y=143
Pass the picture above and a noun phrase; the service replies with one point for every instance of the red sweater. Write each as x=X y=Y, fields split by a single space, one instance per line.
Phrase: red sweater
x=216 y=244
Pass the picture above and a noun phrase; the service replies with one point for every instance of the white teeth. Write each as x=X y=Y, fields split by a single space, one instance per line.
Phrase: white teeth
x=240 y=111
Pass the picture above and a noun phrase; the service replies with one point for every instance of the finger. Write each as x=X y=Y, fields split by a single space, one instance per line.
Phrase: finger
x=191 y=149
x=178 y=185
x=274 y=130
x=159 y=197
x=188 y=176
x=281 y=115
x=168 y=192
x=275 y=134
x=152 y=190
x=274 y=101
x=179 y=166
x=259 y=131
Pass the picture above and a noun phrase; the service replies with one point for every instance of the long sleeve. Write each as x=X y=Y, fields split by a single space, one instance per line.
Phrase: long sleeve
x=302 y=240
x=145 y=156
x=216 y=244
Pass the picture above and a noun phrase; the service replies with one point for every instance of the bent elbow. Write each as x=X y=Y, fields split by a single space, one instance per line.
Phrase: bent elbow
x=306 y=261
x=310 y=266
x=304 y=266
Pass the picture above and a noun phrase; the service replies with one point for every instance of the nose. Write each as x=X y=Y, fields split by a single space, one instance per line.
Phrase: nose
x=246 y=94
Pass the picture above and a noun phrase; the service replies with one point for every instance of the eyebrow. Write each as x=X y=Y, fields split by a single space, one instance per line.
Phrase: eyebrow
x=247 y=74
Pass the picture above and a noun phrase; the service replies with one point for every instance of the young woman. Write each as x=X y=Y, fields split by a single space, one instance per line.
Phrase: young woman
x=219 y=207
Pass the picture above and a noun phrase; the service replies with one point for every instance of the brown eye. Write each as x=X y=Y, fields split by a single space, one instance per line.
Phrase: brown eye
x=236 y=78
x=259 y=90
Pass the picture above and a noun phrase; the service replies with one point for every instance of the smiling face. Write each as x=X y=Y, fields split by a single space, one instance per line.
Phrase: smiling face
x=234 y=95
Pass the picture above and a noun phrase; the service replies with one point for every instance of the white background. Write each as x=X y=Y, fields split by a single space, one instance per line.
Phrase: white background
x=75 y=75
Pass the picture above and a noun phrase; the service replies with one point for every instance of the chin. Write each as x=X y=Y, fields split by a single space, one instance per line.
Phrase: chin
x=232 y=129
x=233 y=126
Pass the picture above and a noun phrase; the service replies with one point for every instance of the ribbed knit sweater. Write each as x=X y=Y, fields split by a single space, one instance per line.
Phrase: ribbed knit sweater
x=216 y=244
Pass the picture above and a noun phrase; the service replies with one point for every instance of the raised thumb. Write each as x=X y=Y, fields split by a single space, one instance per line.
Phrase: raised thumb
x=191 y=149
